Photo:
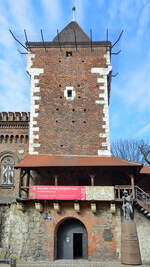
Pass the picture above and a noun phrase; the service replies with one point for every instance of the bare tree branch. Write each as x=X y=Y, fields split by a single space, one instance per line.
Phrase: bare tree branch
x=132 y=150
x=145 y=151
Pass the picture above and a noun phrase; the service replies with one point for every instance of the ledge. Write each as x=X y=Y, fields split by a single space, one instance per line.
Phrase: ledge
x=7 y=186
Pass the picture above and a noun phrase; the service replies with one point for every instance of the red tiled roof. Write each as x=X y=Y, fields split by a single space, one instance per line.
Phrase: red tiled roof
x=145 y=169
x=69 y=160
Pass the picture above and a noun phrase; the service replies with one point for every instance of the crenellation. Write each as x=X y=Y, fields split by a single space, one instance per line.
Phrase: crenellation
x=24 y=116
x=14 y=116
x=18 y=116
x=4 y=116
x=10 y=116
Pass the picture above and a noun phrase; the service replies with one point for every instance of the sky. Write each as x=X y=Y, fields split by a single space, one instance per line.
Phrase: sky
x=130 y=90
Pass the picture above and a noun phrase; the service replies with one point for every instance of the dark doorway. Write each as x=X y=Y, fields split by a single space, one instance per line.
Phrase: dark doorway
x=71 y=240
x=77 y=246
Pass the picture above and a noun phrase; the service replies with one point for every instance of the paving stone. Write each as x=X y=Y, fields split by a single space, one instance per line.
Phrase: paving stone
x=75 y=263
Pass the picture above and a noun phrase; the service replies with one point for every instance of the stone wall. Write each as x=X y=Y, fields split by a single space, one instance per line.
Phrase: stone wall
x=23 y=235
x=26 y=235
x=143 y=230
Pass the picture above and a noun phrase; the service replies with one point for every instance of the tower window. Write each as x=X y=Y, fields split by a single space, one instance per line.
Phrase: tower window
x=69 y=93
x=68 y=53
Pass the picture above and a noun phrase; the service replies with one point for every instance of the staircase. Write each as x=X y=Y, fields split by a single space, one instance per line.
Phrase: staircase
x=142 y=201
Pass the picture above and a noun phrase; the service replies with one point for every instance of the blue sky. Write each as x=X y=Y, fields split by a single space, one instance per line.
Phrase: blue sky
x=130 y=90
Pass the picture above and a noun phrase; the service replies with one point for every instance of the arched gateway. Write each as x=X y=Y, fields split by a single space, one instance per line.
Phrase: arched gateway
x=72 y=240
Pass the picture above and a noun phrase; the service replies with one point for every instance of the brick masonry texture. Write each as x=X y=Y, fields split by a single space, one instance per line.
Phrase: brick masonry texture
x=61 y=125
x=34 y=237
x=69 y=126
x=13 y=143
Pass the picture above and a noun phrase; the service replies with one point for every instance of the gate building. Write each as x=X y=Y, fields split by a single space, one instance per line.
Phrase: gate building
x=61 y=190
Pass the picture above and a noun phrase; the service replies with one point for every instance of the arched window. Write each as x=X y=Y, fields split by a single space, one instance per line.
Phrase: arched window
x=7 y=170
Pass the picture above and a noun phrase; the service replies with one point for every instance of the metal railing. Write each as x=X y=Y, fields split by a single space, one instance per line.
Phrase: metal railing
x=142 y=197
x=119 y=191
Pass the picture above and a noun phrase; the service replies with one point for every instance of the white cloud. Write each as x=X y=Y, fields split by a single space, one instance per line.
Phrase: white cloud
x=81 y=11
x=52 y=16
x=14 y=91
x=134 y=86
x=144 y=20
x=144 y=130
x=100 y=3
x=22 y=15
x=52 y=11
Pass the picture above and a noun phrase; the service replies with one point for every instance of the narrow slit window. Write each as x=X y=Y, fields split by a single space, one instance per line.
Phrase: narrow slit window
x=69 y=93
x=68 y=53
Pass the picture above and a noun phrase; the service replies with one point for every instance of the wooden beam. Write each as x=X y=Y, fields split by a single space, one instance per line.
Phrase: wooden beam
x=28 y=182
x=56 y=180
x=132 y=185
x=20 y=182
x=92 y=176
x=22 y=174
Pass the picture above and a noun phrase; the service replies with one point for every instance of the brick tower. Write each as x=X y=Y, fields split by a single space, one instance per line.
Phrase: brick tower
x=63 y=200
x=70 y=85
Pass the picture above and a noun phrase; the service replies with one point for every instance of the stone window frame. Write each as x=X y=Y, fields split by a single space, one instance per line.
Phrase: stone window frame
x=3 y=156
x=68 y=89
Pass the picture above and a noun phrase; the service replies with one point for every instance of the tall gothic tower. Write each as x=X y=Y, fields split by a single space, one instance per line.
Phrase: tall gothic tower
x=70 y=86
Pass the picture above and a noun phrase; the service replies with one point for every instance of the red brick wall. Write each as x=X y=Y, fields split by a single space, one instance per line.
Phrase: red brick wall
x=69 y=127
x=13 y=143
x=99 y=248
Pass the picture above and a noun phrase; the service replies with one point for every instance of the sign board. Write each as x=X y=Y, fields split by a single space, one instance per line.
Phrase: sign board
x=48 y=219
x=46 y=192
x=57 y=192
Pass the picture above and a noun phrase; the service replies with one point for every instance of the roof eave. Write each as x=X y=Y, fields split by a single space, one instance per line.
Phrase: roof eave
x=67 y=44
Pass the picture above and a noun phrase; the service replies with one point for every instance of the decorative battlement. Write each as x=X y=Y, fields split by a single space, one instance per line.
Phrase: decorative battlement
x=15 y=116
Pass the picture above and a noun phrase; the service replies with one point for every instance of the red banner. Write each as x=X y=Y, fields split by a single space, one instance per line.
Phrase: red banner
x=57 y=192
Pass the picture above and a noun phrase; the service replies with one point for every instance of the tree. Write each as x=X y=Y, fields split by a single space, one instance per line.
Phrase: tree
x=145 y=151
x=137 y=150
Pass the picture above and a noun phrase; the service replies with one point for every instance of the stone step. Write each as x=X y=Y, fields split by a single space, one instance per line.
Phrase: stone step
x=63 y=265
x=145 y=212
x=73 y=263
x=142 y=209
